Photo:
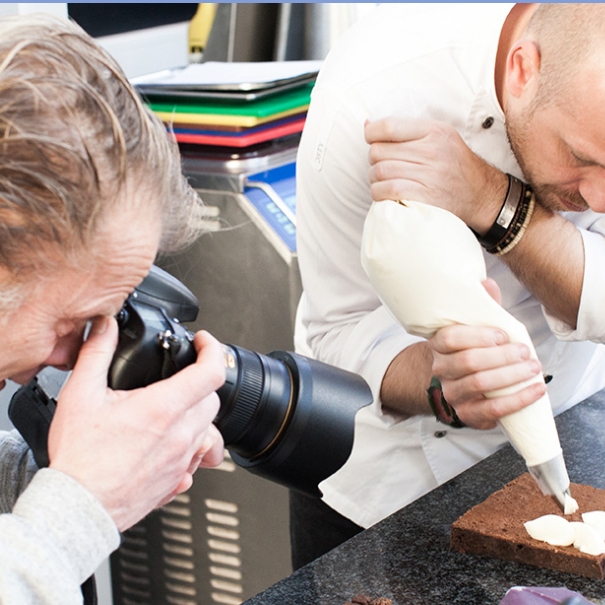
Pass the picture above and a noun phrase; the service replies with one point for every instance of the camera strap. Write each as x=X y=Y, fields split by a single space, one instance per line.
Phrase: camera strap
x=31 y=411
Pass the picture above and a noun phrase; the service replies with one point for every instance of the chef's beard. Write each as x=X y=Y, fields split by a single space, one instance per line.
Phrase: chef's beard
x=549 y=196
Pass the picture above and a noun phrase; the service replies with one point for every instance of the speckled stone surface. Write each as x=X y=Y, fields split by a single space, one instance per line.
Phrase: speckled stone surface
x=407 y=557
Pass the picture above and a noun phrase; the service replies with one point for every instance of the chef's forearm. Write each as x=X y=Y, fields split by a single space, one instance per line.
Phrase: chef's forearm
x=549 y=260
x=404 y=385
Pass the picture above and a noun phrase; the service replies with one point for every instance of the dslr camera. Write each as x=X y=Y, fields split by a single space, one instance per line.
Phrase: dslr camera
x=282 y=416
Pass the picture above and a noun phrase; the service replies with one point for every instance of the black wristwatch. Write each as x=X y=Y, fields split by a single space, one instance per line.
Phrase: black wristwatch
x=443 y=411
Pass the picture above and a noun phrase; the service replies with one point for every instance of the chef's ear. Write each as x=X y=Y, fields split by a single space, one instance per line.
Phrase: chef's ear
x=523 y=69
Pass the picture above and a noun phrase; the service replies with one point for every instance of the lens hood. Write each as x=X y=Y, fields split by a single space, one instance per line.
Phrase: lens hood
x=317 y=436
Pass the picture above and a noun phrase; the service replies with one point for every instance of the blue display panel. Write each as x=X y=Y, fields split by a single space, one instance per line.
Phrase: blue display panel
x=283 y=182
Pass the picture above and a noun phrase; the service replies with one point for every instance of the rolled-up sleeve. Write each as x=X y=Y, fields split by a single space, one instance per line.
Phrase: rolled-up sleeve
x=591 y=316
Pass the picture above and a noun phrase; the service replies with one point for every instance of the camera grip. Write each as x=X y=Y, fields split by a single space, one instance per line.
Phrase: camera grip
x=31 y=411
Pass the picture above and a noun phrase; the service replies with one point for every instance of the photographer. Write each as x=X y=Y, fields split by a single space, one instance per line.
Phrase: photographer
x=436 y=103
x=90 y=190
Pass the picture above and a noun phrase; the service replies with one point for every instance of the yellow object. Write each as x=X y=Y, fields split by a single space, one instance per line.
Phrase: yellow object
x=199 y=30
x=213 y=119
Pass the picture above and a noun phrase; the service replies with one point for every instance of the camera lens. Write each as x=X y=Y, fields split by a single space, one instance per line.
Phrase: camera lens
x=256 y=401
x=288 y=418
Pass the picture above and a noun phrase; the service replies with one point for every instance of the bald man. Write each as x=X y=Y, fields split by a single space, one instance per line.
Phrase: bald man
x=492 y=112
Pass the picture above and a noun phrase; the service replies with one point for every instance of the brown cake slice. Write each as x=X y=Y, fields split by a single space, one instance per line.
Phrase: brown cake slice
x=495 y=528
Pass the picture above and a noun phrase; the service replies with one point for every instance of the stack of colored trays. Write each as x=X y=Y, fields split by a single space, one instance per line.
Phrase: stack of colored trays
x=232 y=114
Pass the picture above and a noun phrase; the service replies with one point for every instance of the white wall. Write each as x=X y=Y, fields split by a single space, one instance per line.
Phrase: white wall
x=139 y=52
x=148 y=50
x=24 y=8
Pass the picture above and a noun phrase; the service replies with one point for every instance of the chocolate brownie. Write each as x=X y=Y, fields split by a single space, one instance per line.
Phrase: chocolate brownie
x=495 y=528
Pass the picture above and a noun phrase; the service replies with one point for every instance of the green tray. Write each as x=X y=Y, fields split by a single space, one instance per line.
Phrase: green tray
x=261 y=108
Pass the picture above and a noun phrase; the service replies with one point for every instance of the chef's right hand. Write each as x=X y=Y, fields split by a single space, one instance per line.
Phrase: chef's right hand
x=470 y=361
x=136 y=450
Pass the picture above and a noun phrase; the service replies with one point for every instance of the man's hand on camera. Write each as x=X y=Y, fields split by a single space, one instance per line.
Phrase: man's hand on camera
x=427 y=161
x=136 y=450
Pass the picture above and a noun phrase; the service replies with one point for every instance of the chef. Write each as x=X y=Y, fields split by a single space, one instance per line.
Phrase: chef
x=483 y=111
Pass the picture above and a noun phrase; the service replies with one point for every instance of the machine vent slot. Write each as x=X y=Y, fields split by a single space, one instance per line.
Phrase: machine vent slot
x=225 y=570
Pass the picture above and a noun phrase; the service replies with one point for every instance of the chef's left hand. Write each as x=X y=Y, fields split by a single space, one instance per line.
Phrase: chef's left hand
x=427 y=161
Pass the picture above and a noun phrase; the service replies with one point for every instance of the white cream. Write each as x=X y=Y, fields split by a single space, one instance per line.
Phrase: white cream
x=427 y=268
x=570 y=505
x=596 y=520
x=558 y=531
x=552 y=529
x=587 y=539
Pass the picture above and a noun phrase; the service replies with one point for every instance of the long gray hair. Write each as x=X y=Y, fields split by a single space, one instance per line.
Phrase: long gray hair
x=73 y=134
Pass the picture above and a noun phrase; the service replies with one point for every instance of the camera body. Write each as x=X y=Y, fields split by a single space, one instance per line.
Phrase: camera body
x=153 y=344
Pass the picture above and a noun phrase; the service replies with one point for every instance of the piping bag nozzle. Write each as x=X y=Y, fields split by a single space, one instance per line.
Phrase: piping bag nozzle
x=553 y=480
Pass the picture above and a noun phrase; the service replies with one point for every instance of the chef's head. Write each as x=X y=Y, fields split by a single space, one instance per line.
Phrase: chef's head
x=553 y=99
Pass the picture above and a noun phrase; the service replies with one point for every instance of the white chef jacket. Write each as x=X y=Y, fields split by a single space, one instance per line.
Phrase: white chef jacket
x=432 y=61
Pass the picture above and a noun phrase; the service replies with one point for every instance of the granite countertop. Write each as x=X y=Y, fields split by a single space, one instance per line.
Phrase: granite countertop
x=407 y=557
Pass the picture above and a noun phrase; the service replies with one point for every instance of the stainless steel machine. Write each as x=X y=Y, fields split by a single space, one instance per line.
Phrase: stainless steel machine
x=227 y=538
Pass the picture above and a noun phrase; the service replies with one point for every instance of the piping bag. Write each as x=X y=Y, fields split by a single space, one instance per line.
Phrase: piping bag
x=427 y=267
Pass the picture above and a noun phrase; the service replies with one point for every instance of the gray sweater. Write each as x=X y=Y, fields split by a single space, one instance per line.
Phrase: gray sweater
x=53 y=532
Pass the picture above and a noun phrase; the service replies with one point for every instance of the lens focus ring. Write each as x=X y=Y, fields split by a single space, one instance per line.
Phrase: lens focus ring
x=248 y=395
